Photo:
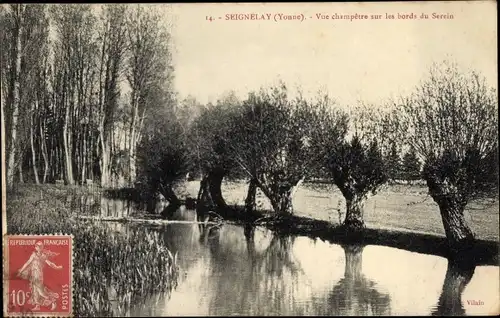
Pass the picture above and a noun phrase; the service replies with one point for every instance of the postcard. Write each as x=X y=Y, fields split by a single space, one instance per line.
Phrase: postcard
x=250 y=159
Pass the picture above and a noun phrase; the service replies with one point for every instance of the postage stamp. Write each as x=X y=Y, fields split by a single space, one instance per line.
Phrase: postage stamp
x=38 y=275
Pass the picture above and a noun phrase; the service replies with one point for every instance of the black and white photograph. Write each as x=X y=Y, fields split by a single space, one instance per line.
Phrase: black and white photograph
x=250 y=159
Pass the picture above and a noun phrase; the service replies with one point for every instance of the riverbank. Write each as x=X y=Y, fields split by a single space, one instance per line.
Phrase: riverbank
x=406 y=208
x=483 y=252
x=399 y=216
x=108 y=278
x=382 y=232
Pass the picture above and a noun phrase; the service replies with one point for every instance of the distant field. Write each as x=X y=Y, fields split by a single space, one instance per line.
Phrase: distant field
x=402 y=207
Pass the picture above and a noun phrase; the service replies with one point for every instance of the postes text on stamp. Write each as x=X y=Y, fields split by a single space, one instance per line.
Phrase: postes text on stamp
x=38 y=277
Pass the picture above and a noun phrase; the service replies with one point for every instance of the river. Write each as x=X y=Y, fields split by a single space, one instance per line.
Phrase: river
x=230 y=270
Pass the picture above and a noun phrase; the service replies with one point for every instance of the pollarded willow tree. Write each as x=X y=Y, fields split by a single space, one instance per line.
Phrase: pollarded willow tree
x=209 y=134
x=355 y=162
x=271 y=142
x=163 y=157
x=451 y=122
x=358 y=170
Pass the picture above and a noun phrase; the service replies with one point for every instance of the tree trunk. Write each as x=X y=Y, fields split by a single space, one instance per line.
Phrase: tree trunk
x=68 y=165
x=251 y=196
x=459 y=235
x=32 y=143
x=105 y=173
x=285 y=205
x=204 y=199
x=58 y=174
x=451 y=204
x=53 y=159
x=170 y=195
x=43 y=145
x=90 y=161
x=84 y=158
x=16 y=100
x=456 y=279
x=215 y=178
x=20 y=168
x=282 y=202
x=132 y=138
x=132 y=164
x=354 y=214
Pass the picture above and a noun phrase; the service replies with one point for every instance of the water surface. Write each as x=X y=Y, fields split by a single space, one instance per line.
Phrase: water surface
x=230 y=270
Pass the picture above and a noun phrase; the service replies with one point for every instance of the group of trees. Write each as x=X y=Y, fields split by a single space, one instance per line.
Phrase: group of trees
x=86 y=95
x=79 y=83
x=444 y=133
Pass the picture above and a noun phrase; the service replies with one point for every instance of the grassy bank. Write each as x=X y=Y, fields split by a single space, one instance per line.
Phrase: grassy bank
x=483 y=252
x=399 y=216
x=405 y=208
x=112 y=270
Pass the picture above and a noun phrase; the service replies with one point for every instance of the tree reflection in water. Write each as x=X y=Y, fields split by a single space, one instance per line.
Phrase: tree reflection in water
x=210 y=234
x=251 y=271
x=271 y=281
x=458 y=275
x=182 y=238
x=354 y=294
x=246 y=281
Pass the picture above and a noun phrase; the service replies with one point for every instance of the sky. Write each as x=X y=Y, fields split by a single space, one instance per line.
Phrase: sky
x=368 y=60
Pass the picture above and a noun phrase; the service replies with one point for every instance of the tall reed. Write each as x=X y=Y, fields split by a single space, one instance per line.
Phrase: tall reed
x=112 y=270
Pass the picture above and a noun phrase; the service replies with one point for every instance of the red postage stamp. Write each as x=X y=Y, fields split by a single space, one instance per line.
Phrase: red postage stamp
x=38 y=278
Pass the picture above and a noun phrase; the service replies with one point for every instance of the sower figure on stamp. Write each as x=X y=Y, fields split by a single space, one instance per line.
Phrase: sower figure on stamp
x=32 y=270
